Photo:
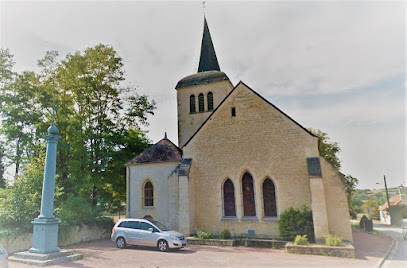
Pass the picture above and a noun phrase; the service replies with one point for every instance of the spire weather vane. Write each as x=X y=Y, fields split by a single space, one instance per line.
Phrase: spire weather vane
x=203 y=6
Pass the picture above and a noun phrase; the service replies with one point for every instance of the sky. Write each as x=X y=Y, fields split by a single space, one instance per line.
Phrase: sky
x=335 y=66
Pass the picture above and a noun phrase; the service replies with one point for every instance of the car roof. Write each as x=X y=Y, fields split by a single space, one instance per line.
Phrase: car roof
x=133 y=219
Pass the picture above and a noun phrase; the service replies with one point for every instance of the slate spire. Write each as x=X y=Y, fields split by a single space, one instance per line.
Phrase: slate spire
x=208 y=60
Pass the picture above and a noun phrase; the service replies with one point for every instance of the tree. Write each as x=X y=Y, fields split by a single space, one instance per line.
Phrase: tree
x=2 y=166
x=327 y=149
x=373 y=207
x=100 y=128
x=350 y=184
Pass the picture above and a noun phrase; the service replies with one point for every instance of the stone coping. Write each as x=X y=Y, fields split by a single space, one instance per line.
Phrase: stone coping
x=246 y=242
x=347 y=251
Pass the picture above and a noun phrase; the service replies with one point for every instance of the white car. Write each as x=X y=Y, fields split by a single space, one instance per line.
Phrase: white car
x=143 y=232
x=3 y=257
x=404 y=228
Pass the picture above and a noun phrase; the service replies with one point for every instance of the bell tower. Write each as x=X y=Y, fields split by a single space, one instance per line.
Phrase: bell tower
x=199 y=94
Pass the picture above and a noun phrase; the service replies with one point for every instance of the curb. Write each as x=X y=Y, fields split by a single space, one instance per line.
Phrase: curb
x=387 y=253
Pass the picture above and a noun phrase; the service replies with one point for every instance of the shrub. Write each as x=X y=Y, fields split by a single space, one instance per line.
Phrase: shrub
x=301 y=240
x=296 y=221
x=205 y=234
x=225 y=234
x=333 y=240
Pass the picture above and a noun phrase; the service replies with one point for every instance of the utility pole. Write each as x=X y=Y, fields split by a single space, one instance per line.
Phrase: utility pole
x=387 y=192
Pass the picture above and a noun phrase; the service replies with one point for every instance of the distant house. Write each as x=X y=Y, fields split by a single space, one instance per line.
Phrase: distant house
x=398 y=210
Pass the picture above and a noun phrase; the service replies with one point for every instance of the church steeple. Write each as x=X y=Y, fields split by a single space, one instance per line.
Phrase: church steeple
x=208 y=60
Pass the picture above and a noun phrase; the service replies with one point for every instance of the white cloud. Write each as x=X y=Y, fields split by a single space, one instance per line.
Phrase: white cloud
x=281 y=49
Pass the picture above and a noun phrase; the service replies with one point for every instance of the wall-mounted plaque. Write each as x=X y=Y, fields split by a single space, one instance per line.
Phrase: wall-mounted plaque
x=314 y=167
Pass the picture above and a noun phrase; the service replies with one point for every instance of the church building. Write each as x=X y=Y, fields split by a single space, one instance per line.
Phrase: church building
x=239 y=163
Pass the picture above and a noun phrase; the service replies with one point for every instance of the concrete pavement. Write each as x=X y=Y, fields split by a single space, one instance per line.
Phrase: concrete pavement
x=370 y=249
x=397 y=258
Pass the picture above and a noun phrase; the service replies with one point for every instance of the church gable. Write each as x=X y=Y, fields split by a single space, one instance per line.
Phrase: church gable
x=243 y=103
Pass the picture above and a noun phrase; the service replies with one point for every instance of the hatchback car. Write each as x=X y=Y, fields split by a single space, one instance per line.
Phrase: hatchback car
x=3 y=257
x=143 y=232
x=404 y=228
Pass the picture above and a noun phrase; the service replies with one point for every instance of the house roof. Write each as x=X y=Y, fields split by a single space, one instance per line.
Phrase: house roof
x=227 y=96
x=396 y=200
x=162 y=151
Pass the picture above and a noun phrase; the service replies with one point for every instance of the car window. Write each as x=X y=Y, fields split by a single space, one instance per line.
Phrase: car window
x=145 y=226
x=133 y=224
x=123 y=224
x=161 y=226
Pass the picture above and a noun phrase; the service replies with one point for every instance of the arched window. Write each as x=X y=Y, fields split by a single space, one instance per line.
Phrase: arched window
x=210 y=101
x=201 y=102
x=148 y=194
x=249 y=206
x=269 y=198
x=229 y=198
x=192 y=104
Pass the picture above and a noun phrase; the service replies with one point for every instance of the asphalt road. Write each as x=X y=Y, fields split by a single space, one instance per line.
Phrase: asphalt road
x=398 y=256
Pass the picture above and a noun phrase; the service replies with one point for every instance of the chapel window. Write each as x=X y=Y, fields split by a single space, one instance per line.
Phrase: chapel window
x=201 y=102
x=233 y=111
x=192 y=108
x=249 y=206
x=210 y=101
x=148 y=194
x=269 y=198
x=229 y=198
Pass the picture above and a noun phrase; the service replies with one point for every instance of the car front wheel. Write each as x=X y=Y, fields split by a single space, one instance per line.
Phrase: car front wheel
x=162 y=245
x=120 y=242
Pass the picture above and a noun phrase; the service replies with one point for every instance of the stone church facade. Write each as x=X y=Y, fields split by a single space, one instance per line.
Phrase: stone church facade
x=240 y=162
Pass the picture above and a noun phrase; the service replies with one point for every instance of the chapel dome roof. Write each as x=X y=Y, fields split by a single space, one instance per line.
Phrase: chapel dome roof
x=202 y=78
x=162 y=151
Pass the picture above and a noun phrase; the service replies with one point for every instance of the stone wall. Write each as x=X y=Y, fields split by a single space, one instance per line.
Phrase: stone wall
x=347 y=251
x=336 y=202
x=76 y=234
x=158 y=174
x=188 y=123
x=260 y=140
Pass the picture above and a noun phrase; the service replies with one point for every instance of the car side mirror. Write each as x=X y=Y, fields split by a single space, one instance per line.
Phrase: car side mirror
x=151 y=230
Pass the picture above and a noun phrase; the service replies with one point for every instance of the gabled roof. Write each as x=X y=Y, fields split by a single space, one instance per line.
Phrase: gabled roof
x=396 y=200
x=208 y=60
x=162 y=151
x=227 y=96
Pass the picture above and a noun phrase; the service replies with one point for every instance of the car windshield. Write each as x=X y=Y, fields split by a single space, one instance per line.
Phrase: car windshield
x=161 y=226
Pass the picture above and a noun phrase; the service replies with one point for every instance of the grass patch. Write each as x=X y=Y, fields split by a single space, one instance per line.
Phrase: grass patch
x=356 y=226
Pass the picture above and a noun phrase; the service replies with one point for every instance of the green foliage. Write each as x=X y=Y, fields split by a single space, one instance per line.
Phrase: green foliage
x=327 y=149
x=20 y=203
x=225 y=234
x=77 y=210
x=374 y=209
x=296 y=221
x=204 y=234
x=301 y=240
x=100 y=123
x=3 y=183
x=333 y=241
x=350 y=184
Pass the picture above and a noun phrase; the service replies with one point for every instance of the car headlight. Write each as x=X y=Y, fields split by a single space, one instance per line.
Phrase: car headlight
x=174 y=237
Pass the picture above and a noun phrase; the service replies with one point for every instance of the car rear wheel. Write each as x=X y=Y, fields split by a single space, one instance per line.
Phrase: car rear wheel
x=162 y=245
x=120 y=242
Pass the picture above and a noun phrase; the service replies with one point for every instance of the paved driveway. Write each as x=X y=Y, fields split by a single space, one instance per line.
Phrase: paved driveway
x=105 y=254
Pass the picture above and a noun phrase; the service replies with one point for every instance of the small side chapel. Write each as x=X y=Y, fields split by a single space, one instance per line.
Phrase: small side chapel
x=239 y=163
